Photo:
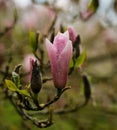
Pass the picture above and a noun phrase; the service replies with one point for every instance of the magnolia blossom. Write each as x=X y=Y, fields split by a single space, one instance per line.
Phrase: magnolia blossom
x=72 y=34
x=28 y=65
x=85 y=13
x=60 y=53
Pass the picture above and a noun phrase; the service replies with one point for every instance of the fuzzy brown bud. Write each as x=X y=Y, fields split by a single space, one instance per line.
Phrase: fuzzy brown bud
x=36 y=80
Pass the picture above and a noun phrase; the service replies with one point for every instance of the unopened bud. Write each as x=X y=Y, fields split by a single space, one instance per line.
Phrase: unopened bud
x=76 y=46
x=87 y=87
x=36 y=80
x=52 y=35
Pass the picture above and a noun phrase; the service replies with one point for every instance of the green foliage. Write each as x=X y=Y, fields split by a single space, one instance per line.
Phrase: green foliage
x=33 y=41
x=71 y=63
x=23 y=92
x=80 y=60
x=16 y=78
x=93 y=5
x=11 y=86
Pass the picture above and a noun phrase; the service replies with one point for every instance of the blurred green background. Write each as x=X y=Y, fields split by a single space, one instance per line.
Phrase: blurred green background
x=97 y=38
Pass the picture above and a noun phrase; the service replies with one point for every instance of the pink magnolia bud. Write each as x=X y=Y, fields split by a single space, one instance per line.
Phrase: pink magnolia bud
x=72 y=34
x=87 y=14
x=28 y=65
x=60 y=53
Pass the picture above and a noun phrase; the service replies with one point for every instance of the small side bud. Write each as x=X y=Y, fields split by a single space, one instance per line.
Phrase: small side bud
x=76 y=46
x=62 y=28
x=52 y=35
x=36 y=79
x=87 y=88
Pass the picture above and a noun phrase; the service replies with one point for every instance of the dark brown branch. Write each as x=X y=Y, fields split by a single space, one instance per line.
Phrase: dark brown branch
x=38 y=123
x=63 y=110
x=42 y=106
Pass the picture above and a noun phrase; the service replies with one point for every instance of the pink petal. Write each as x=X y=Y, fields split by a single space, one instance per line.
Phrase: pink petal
x=52 y=52
x=67 y=51
x=60 y=41
x=72 y=34
x=27 y=65
x=26 y=62
x=51 y=49
x=66 y=34
x=63 y=66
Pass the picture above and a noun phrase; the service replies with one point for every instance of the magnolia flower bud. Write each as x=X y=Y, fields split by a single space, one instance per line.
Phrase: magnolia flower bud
x=36 y=80
x=72 y=34
x=75 y=41
x=28 y=65
x=60 y=53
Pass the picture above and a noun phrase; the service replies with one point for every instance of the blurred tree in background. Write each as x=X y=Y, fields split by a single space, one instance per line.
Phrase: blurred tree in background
x=24 y=26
